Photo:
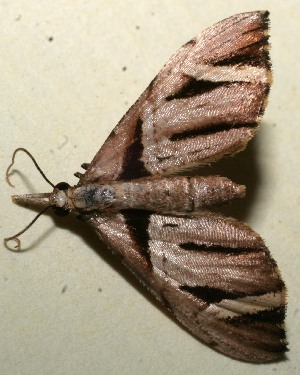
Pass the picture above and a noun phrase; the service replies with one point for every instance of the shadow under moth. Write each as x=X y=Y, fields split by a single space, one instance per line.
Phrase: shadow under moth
x=213 y=273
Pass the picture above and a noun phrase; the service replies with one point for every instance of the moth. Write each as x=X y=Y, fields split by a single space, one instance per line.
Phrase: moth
x=213 y=273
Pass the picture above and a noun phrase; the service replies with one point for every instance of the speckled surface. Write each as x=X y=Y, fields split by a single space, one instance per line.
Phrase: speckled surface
x=69 y=71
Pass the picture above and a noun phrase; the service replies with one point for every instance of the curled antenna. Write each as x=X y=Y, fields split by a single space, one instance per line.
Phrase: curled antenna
x=15 y=237
x=34 y=161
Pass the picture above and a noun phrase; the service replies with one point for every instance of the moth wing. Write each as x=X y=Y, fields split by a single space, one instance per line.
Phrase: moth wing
x=204 y=104
x=213 y=273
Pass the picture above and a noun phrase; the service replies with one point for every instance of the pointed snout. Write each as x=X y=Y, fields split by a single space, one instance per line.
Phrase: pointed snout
x=39 y=199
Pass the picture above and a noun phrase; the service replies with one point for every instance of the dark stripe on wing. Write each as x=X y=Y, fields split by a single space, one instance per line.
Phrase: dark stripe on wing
x=133 y=167
x=192 y=246
x=137 y=222
x=275 y=315
x=195 y=87
x=170 y=225
x=215 y=295
x=209 y=129
x=254 y=54
x=264 y=329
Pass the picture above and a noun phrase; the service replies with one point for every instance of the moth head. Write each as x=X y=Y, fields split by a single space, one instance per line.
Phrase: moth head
x=57 y=200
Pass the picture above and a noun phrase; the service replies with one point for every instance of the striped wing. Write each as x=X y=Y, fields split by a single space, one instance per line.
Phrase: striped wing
x=213 y=273
x=204 y=104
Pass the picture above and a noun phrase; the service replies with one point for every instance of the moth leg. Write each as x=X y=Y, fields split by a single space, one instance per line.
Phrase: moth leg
x=78 y=174
x=85 y=165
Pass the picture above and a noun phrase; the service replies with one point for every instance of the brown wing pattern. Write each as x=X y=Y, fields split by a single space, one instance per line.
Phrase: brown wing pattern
x=213 y=273
x=204 y=104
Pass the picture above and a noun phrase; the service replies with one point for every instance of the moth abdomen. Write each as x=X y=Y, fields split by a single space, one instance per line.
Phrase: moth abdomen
x=176 y=194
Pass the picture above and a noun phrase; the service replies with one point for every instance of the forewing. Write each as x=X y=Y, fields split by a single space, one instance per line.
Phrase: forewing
x=215 y=275
x=204 y=104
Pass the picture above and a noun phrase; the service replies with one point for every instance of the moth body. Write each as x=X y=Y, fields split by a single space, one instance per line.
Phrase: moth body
x=176 y=194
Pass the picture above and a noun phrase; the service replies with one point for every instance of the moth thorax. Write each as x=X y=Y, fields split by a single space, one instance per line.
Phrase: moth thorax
x=93 y=197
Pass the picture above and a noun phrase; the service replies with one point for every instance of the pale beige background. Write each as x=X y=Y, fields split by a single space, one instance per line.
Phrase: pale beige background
x=67 y=306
